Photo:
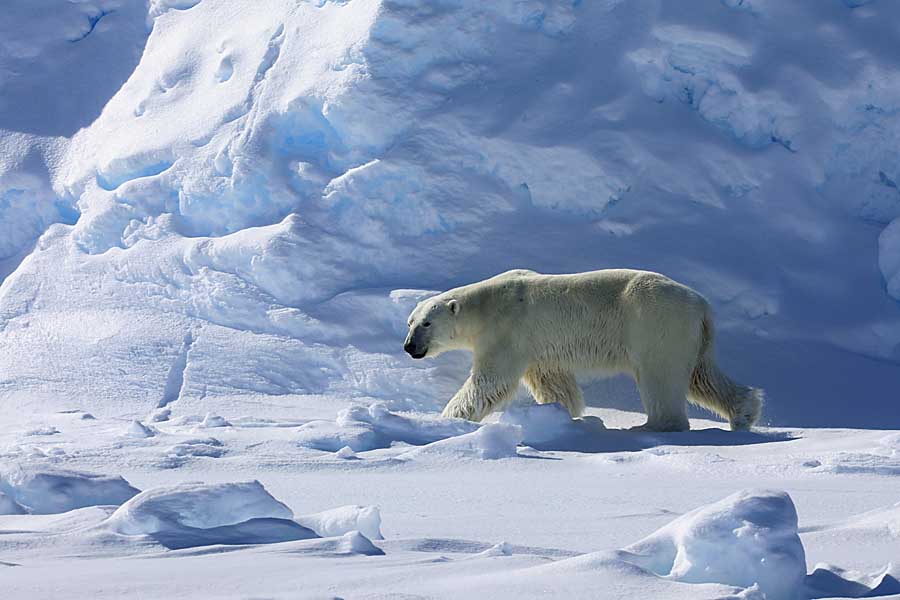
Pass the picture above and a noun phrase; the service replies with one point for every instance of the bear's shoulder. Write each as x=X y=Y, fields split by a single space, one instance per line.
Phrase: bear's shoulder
x=516 y=273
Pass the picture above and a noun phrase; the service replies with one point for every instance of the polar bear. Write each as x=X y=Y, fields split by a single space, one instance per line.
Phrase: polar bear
x=522 y=325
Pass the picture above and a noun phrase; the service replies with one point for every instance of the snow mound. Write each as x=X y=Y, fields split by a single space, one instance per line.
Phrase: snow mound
x=42 y=490
x=348 y=544
x=551 y=425
x=197 y=514
x=213 y=421
x=501 y=549
x=209 y=447
x=160 y=414
x=367 y=428
x=138 y=430
x=339 y=521
x=196 y=505
x=353 y=542
x=42 y=431
x=608 y=576
x=747 y=538
x=491 y=441
x=346 y=453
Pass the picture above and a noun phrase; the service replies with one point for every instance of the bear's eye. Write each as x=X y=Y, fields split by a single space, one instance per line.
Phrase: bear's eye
x=426 y=324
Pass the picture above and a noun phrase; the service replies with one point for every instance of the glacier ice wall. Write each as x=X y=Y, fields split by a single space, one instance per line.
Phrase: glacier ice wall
x=218 y=198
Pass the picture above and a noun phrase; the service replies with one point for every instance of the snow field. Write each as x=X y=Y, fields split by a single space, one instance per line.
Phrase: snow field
x=747 y=542
x=746 y=545
x=184 y=515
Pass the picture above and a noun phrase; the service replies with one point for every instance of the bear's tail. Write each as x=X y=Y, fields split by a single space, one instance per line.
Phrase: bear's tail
x=713 y=389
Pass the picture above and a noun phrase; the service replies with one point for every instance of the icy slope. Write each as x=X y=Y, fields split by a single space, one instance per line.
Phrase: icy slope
x=251 y=193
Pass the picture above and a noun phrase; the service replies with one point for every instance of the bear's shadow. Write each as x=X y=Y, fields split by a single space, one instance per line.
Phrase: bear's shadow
x=590 y=435
x=548 y=427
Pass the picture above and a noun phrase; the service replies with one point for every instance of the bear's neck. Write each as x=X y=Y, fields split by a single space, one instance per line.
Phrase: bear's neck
x=475 y=317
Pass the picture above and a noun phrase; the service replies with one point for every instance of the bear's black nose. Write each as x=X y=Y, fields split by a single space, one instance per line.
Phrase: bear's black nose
x=413 y=351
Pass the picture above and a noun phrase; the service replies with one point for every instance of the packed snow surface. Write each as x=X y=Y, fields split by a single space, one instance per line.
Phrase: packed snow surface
x=631 y=513
x=215 y=217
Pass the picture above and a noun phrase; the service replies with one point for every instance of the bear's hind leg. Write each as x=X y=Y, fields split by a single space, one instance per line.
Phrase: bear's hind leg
x=664 y=396
x=549 y=385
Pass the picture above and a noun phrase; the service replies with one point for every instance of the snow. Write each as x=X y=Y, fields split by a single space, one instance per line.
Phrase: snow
x=749 y=538
x=215 y=217
x=346 y=519
x=366 y=428
x=195 y=515
x=827 y=580
x=8 y=506
x=43 y=490
x=139 y=430
x=196 y=505
x=190 y=515
x=360 y=429
x=889 y=257
x=633 y=513
x=346 y=453
x=490 y=442
x=277 y=179
x=211 y=421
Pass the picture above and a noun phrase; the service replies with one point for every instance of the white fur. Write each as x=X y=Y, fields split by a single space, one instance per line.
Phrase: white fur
x=542 y=329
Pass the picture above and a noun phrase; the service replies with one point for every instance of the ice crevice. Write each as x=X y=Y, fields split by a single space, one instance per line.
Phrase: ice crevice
x=175 y=381
x=93 y=20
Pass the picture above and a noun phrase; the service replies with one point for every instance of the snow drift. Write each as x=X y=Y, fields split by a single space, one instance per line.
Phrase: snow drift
x=491 y=441
x=188 y=515
x=341 y=521
x=46 y=490
x=749 y=538
x=359 y=429
x=367 y=428
x=196 y=514
x=197 y=506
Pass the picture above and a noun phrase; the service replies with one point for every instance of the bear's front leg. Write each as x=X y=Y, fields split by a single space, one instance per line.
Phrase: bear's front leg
x=496 y=371
x=479 y=396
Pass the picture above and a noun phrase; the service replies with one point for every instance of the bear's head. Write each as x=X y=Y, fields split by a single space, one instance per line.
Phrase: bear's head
x=432 y=327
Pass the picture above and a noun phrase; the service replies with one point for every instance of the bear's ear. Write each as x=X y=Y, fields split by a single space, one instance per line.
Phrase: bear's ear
x=453 y=305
